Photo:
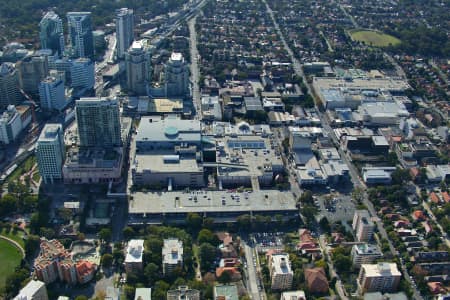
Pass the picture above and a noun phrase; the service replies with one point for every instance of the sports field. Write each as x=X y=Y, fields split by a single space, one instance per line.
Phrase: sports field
x=10 y=258
x=374 y=38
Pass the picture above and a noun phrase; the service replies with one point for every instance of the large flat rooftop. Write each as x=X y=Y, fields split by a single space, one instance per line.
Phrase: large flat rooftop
x=211 y=201
x=249 y=154
x=171 y=129
x=163 y=163
x=389 y=84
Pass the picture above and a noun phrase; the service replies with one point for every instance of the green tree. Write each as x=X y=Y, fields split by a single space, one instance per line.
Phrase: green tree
x=244 y=221
x=128 y=233
x=13 y=282
x=107 y=260
x=65 y=214
x=48 y=233
x=31 y=245
x=342 y=263
x=151 y=273
x=129 y=291
x=306 y=197
x=358 y=194
x=207 y=236
x=309 y=212
x=207 y=255
x=8 y=204
x=400 y=176
x=194 y=221
x=105 y=235
x=324 y=224
x=160 y=290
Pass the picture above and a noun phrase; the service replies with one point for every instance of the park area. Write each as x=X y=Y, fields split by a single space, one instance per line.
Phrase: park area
x=10 y=258
x=374 y=38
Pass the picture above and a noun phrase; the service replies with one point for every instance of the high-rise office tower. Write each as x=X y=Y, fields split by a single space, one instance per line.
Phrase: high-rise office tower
x=9 y=86
x=80 y=34
x=124 y=30
x=11 y=125
x=82 y=72
x=138 y=67
x=52 y=34
x=50 y=152
x=32 y=70
x=62 y=65
x=177 y=76
x=51 y=93
x=98 y=122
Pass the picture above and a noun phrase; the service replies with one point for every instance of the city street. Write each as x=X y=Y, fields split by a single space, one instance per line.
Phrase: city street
x=195 y=72
x=357 y=181
x=251 y=272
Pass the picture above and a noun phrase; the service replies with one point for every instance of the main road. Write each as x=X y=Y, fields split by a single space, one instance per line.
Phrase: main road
x=195 y=73
x=251 y=273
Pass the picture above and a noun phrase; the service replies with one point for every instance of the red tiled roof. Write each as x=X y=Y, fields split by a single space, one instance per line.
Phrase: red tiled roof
x=446 y=197
x=316 y=280
x=419 y=215
x=434 y=198
x=85 y=267
x=234 y=272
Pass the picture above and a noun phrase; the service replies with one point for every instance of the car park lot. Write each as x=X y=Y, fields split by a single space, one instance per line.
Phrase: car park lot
x=265 y=241
x=335 y=207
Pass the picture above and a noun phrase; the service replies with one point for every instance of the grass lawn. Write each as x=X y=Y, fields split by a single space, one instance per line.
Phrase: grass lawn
x=10 y=258
x=18 y=237
x=22 y=168
x=374 y=38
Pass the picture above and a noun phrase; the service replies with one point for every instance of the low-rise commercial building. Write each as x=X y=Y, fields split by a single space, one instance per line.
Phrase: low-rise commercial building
x=159 y=106
x=247 y=161
x=168 y=153
x=377 y=175
x=211 y=109
x=34 y=290
x=93 y=165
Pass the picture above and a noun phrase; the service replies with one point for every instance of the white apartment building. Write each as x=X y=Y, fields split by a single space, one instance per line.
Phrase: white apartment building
x=281 y=273
x=365 y=254
x=133 y=257
x=172 y=255
x=381 y=277
x=363 y=226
